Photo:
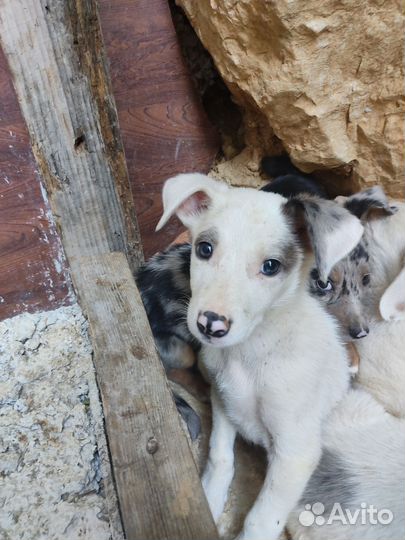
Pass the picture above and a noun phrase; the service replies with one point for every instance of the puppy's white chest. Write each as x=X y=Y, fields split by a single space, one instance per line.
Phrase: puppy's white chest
x=242 y=394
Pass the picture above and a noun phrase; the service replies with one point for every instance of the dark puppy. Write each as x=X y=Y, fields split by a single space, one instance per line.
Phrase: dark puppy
x=288 y=180
x=164 y=285
x=290 y=185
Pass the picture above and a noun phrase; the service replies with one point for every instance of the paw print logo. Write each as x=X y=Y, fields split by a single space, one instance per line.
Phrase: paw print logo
x=312 y=514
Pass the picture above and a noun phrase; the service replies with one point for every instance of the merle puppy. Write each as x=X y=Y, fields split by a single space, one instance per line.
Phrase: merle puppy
x=347 y=292
x=164 y=284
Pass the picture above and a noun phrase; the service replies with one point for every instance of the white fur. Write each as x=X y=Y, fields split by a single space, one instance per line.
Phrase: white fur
x=281 y=369
x=392 y=303
x=382 y=353
x=335 y=248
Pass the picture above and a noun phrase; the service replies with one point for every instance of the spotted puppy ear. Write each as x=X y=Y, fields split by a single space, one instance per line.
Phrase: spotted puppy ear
x=392 y=303
x=368 y=204
x=187 y=196
x=330 y=230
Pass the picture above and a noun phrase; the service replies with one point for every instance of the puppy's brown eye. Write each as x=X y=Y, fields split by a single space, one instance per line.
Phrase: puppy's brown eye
x=366 y=279
x=204 y=250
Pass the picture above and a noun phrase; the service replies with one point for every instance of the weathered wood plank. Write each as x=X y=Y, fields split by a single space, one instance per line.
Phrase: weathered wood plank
x=56 y=55
x=157 y=482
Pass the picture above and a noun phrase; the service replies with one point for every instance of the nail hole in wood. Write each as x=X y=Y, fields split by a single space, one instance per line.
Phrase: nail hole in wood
x=152 y=446
x=79 y=142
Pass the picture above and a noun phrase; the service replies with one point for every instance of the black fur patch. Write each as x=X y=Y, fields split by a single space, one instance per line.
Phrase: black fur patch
x=291 y=185
x=313 y=288
x=359 y=207
x=189 y=415
x=275 y=166
x=359 y=252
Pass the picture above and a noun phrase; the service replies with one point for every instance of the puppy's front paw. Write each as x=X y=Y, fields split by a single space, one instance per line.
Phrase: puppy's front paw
x=215 y=483
x=215 y=496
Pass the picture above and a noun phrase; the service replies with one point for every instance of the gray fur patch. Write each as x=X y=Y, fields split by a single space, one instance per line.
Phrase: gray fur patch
x=330 y=483
x=362 y=203
x=290 y=254
x=210 y=236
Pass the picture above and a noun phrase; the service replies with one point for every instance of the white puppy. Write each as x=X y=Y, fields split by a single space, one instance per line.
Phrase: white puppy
x=275 y=361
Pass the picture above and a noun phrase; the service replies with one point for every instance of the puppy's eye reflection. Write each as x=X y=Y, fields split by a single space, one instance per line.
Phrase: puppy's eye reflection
x=325 y=287
x=270 y=267
x=204 y=250
x=366 y=279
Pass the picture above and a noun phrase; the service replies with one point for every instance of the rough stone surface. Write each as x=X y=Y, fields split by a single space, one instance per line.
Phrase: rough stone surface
x=55 y=480
x=324 y=78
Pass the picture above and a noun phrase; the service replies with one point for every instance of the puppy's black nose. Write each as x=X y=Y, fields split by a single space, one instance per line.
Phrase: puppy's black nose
x=358 y=332
x=213 y=325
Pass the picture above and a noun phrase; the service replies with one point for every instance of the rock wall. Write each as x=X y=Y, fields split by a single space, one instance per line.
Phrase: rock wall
x=324 y=78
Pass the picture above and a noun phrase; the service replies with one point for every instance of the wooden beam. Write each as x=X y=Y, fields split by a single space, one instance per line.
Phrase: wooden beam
x=157 y=482
x=56 y=55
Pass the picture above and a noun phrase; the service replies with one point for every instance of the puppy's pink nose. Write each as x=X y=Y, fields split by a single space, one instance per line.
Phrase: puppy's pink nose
x=211 y=324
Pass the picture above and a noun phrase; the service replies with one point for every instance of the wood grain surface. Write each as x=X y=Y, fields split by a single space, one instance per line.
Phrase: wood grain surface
x=33 y=273
x=164 y=128
x=159 y=490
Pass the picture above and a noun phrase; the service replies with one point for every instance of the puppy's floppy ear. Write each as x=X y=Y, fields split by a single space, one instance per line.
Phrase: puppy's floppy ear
x=332 y=231
x=368 y=204
x=187 y=195
x=392 y=303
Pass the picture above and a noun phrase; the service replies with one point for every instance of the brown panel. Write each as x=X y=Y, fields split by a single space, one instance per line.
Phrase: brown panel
x=164 y=128
x=33 y=272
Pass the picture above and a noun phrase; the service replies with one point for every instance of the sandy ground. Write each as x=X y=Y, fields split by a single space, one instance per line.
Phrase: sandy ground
x=54 y=472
